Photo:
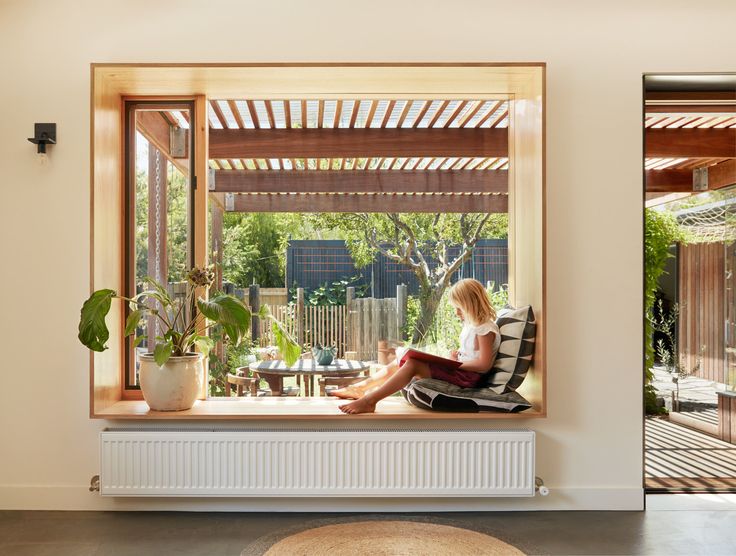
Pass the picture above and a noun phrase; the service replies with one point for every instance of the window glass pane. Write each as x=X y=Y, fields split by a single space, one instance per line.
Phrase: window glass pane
x=159 y=209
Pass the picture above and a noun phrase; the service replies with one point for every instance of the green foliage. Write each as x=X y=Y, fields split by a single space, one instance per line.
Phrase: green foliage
x=180 y=319
x=664 y=322
x=289 y=348
x=229 y=312
x=240 y=355
x=254 y=246
x=660 y=233
x=175 y=236
x=93 y=331
x=332 y=293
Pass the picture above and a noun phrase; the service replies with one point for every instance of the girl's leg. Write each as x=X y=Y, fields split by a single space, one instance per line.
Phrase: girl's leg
x=399 y=379
x=355 y=391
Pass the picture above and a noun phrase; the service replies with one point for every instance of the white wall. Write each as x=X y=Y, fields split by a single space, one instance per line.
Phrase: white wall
x=590 y=447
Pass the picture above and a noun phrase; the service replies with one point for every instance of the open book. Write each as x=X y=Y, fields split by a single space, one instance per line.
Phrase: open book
x=412 y=353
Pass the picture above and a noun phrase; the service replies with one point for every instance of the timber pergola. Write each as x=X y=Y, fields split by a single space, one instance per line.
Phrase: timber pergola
x=335 y=155
x=690 y=143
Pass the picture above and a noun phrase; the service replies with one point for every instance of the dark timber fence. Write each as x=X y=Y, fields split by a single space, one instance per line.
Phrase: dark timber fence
x=312 y=263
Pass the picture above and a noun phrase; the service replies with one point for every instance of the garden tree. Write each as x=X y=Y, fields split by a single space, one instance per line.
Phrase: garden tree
x=432 y=246
x=253 y=246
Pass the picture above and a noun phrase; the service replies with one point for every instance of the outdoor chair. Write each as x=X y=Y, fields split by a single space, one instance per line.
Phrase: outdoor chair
x=242 y=384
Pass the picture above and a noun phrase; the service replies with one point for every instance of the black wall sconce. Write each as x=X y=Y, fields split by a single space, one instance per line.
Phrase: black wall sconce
x=44 y=134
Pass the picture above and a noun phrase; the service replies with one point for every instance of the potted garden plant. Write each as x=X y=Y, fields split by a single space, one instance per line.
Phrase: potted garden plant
x=171 y=374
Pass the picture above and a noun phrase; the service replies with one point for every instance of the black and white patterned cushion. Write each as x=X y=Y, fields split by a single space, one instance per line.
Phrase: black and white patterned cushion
x=518 y=332
x=438 y=395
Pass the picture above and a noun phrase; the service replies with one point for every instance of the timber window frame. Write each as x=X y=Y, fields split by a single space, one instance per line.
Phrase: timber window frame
x=522 y=84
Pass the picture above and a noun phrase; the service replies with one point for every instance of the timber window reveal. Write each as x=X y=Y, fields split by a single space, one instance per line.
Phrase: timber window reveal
x=393 y=100
x=159 y=206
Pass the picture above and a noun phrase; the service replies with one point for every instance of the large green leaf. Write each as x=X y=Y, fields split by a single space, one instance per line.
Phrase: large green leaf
x=132 y=321
x=138 y=341
x=229 y=312
x=290 y=350
x=204 y=344
x=162 y=352
x=93 y=331
x=163 y=293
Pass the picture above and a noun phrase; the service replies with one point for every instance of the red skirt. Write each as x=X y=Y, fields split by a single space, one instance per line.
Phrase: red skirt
x=464 y=379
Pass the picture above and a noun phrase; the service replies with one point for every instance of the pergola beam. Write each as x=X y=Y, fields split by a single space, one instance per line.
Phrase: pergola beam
x=361 y=181
x=690 y=143
x=691 y=108
x=353 y=143
x=681 y=181
x=320 y=202
x=157 y=130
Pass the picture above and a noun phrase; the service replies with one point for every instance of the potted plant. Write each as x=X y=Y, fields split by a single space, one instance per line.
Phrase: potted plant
x=171 y=375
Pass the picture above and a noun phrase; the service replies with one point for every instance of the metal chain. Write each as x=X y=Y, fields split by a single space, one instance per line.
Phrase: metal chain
x=157 y=267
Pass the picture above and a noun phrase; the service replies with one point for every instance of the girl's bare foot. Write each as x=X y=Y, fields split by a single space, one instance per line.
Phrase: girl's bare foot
x=347 y=393
x=362 y=405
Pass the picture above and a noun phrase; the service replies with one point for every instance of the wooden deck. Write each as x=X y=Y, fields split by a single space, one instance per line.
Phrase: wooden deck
x=683 y=459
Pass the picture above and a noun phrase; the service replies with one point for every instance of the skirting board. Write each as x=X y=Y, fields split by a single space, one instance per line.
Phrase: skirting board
x=80 y=499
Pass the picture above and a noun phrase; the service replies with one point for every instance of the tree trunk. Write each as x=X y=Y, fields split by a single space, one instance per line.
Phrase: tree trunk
x=430 y=302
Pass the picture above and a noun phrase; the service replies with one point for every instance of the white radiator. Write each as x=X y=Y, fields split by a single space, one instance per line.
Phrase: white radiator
x=387 y=463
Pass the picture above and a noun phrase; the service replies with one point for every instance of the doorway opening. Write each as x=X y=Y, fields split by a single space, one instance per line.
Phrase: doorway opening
x=690 y=307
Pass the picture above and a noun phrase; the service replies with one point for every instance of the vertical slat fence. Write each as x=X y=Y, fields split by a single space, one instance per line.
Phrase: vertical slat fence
x=702 y=300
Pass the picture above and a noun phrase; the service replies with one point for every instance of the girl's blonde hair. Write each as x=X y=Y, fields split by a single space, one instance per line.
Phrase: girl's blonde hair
x=471 y=298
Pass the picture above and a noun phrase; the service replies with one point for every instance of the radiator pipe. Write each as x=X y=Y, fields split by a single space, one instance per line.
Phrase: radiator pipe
x=539 y=486
x=94 y=484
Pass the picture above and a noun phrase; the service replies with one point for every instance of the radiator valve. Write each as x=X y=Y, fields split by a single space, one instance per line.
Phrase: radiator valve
x=94 y=484
x=539 y=486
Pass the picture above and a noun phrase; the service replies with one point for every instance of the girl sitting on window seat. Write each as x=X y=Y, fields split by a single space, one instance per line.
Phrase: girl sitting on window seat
x=479 y=342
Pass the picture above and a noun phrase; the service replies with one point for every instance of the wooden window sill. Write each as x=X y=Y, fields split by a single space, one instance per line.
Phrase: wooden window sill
x=291 y=409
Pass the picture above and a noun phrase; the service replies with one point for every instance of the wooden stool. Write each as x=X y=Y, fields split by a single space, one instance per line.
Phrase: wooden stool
x=241 y=382
x=336 y=381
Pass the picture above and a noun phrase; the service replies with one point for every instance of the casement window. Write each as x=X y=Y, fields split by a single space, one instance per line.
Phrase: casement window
x=159 y=204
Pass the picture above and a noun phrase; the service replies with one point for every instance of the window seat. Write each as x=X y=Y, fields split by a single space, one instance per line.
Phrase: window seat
x=291 y=408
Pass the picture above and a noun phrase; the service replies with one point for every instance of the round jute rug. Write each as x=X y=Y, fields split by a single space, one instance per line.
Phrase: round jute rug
x=390 y=538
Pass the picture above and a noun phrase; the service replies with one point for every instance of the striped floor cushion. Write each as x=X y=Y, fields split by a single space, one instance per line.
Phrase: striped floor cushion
x=438 y=395
x=518 y=333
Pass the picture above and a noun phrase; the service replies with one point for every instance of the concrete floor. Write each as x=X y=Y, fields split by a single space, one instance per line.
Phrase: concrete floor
x=690 y=527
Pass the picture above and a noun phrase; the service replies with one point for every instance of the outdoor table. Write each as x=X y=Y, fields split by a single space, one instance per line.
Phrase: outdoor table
x=274 y=372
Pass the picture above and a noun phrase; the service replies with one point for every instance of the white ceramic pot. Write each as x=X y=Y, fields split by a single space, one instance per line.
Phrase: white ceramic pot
x=173 y=386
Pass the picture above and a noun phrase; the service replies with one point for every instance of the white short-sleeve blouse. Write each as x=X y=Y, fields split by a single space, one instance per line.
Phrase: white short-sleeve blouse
x=468 y=350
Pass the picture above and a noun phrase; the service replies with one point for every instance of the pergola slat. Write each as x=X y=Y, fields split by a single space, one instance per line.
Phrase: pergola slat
x=219 y=114
x=371 y=113
x=422 y=112
x=287 y=113
x=236 y=113
x=491 y=111
x=387 y=114
x=318 y=202
x=437 y=114
x=349 y=143
x=357 y=181
x=253 y=114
